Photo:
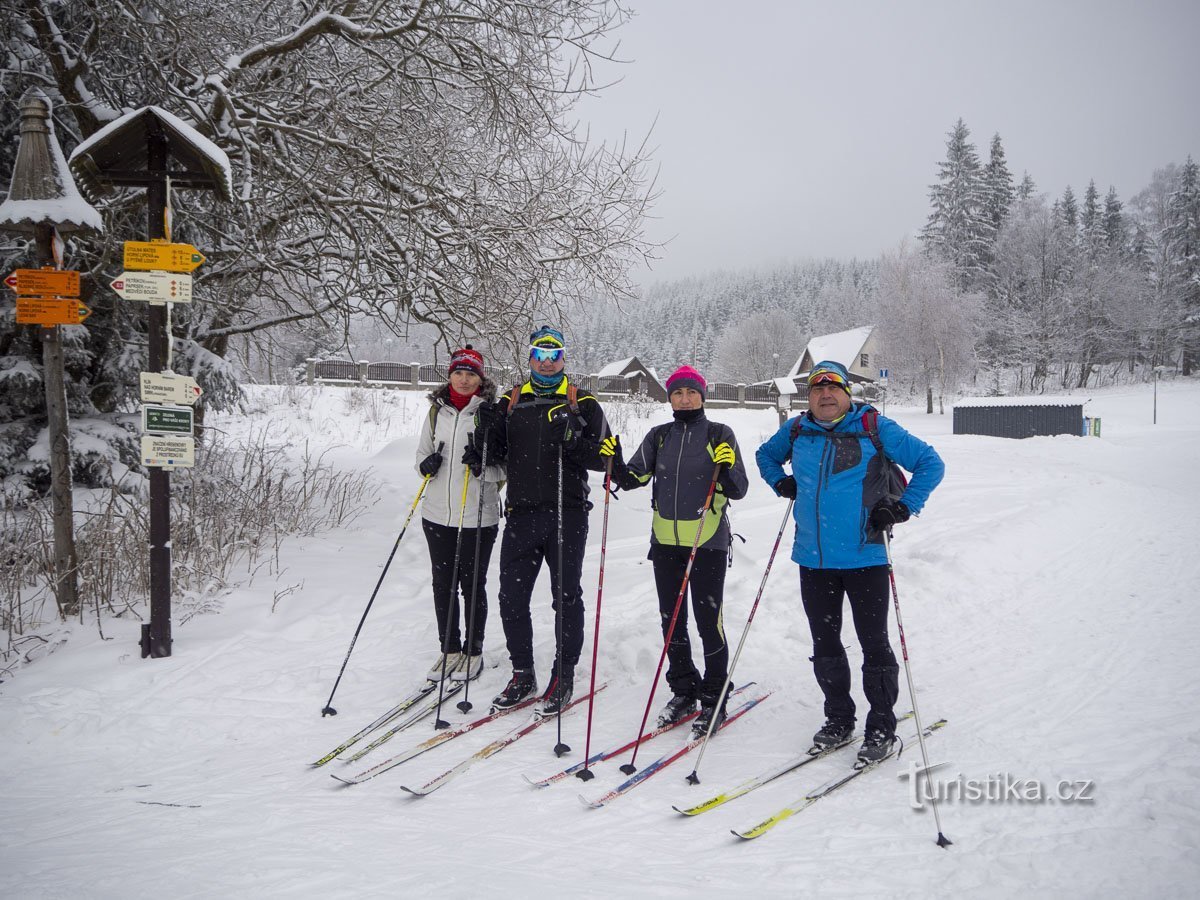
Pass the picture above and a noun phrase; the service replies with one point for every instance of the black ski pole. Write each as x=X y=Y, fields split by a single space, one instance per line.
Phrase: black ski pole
x=694 y=778
x=465 y=704
x=586 y=774
x=452 y=613
x=629 y=768
x=328 y=709
x=560 y=748
x=942 y=840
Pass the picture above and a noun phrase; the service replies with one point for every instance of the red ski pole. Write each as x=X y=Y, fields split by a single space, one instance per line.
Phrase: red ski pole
x=629 y=768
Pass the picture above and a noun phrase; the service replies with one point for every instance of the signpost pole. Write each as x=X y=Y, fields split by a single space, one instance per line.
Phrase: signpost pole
x=156 y=636
x=66 y=563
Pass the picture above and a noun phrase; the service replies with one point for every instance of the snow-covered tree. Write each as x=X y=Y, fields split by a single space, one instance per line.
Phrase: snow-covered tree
x=959 y=229
x=1182 y=238
x=758 y=347
x=999 y=185
x=411 y=160
x=1026 y=189
x=928 y=327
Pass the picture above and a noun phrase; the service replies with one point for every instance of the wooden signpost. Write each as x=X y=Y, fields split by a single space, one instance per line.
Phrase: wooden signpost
x=167 y=387
x=163 y=256
x=44 y=282
x=154 y=287
x=48 y=311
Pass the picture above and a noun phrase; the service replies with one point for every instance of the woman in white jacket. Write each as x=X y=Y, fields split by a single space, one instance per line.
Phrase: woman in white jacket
x=445 y=436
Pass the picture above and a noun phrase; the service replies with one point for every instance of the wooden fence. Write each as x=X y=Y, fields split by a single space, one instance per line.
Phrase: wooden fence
x=423 y=377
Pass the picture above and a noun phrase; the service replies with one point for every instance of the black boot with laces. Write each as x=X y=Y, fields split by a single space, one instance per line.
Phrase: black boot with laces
x=520 y=688
x=832 y=734
x=876 y=747
x=558 y=694
x=677 y=709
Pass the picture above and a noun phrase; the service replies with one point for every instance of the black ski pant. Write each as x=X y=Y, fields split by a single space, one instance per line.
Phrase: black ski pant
x=822 y=591
x=442 y=540
x=529 y=539
x=707 y=589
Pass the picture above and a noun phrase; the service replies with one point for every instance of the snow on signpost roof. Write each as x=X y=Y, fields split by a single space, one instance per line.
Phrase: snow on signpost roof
x=42 y=190
x=203 y=152
x=843 y=347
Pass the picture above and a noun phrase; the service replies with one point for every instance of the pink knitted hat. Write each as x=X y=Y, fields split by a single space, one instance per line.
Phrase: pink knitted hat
x=686 y=376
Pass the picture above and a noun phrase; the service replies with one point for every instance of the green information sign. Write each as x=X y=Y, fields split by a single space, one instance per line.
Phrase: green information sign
x=166 y=419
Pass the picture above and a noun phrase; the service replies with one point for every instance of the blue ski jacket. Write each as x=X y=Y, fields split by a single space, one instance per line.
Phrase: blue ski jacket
x=839 y=478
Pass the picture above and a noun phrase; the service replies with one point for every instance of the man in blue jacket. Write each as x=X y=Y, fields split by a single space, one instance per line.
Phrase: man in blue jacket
x=845 y=499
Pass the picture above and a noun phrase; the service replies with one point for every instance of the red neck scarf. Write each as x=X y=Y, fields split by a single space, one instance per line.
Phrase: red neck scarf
x=461 y=400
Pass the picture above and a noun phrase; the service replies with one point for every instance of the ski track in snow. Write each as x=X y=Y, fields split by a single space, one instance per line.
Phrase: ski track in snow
x=1048 y=600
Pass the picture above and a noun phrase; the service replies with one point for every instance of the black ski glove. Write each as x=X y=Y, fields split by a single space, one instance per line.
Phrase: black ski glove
x=486 y=416
x=566 y=428
x=786 y=487
x=474 y=458
x=429 y=465
x=887 y=513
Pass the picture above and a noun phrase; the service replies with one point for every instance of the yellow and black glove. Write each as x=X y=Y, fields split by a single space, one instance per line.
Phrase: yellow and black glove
x=724 y=455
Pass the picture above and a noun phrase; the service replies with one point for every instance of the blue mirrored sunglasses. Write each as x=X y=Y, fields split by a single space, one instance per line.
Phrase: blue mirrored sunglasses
x=544 y=354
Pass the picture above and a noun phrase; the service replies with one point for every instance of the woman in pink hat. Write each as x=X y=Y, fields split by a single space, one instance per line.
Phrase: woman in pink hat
x=679 y=456
x=444 y=436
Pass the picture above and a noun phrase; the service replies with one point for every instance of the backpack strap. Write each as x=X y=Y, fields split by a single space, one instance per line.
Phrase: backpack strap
x=572 y=398
x=870 y=421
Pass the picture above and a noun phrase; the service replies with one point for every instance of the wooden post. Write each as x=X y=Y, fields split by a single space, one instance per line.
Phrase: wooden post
x=66 y=562
x=156 y=636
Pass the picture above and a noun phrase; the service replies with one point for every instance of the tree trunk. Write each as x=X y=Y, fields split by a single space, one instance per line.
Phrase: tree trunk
x=929 y=399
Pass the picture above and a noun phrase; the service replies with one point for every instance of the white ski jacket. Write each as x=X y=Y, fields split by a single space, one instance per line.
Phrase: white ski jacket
x=442 y=503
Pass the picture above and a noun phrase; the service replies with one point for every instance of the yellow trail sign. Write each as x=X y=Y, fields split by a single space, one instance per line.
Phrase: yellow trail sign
x=146 y=256
x=44 y=282
x=50 y=311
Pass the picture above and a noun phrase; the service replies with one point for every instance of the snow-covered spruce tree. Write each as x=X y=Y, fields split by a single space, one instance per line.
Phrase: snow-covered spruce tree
x=1115 y=232
x=1027 y=188
x=959 y=229
x=1068 y=211
x=412 y=161
x=1181 y=238
x=1000 y=192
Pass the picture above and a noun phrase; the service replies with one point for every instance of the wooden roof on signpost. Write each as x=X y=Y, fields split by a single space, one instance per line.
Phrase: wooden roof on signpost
x=116 y=156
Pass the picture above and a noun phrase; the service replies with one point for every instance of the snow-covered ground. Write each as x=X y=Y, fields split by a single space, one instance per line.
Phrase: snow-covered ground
x=1049 y=598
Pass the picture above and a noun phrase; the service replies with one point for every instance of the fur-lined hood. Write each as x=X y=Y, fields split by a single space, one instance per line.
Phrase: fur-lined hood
x=487 y=391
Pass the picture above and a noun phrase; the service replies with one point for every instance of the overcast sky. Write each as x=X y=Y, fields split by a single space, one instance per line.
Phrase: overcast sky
x=797 y=130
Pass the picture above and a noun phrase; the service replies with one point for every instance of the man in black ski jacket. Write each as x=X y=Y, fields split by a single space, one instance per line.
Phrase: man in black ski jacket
x=548 y=434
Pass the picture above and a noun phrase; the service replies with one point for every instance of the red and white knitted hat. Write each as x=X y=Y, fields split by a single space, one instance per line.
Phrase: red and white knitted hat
x=466 y=358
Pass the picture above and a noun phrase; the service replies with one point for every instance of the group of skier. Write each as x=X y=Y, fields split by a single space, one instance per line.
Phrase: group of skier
x=542 y=438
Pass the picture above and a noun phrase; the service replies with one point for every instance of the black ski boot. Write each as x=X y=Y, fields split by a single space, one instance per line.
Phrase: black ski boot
x=520 y=688
x=677 y=709
x=558 y=694
x=832 y=734
x=709 y=714
x=876 y=747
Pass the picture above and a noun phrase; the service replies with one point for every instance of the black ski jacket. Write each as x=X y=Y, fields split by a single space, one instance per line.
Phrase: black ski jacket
x=524 y=441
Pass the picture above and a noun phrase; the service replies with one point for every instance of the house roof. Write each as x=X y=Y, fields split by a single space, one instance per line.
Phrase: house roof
x=842 y=347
